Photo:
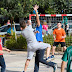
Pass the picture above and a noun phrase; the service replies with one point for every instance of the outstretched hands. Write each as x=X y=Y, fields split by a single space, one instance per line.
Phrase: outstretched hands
x=36 y=7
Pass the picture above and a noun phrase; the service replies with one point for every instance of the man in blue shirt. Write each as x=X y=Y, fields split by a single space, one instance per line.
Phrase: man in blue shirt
x=40 y=53
x=39 y=35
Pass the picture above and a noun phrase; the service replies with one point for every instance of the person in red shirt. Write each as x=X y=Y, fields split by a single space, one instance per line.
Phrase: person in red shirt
x=2 y=61
x=59 y=36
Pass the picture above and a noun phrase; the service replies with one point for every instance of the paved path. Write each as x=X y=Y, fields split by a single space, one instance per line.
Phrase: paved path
x=16 y=59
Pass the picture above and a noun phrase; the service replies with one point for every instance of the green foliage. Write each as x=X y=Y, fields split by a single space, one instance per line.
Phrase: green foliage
x=13 y=8
x=22 y=44
x=19 y=44
x=68 y=40
x=48 y=39
x=0 y=25
x=22 y=8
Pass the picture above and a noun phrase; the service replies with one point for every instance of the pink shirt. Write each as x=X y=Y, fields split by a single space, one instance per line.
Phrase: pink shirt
x=45 y=27
x=1 y=46
x=8 y=22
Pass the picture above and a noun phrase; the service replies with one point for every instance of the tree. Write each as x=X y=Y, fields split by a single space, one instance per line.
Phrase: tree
x=62 y=5
x=15 y=8
x=22 y=8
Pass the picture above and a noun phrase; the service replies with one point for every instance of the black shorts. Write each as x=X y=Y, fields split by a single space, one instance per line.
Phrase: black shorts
x=57 y=43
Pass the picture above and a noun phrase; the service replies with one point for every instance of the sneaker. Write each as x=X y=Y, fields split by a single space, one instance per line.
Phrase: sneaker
x=55 y=68
x=50 y=58
x=47 y=58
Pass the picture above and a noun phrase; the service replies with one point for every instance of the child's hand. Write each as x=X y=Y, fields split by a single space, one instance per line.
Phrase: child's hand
x=54 y=39
x=29 y=22
x=36 y=7
x=8 y=50
x=63 y=37
x=37 y=31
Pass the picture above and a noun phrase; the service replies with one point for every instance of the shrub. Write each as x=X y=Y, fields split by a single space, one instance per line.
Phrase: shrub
x=68 y=40
x=48 y=39
x=19 y=44
x=22 y=44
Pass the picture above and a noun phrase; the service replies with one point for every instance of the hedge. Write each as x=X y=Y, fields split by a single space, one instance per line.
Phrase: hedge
x=22 y=44
x=19 y=44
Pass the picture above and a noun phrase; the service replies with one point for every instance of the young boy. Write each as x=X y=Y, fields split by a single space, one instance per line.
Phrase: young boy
x=40 y=53
x=67 y=57
x=32 y=44
x=39 y=29
x=2 y=62
x=59 y=36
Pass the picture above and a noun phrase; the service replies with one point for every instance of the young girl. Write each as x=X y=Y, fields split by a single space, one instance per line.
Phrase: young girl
x=45 y=27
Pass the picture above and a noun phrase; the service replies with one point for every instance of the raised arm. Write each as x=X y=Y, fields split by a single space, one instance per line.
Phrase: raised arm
x=37 y=17
x=29 y=22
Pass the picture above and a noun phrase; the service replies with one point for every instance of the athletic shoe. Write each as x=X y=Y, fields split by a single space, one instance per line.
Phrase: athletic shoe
x=48 y=59
x=51 y=57
x=55 y=67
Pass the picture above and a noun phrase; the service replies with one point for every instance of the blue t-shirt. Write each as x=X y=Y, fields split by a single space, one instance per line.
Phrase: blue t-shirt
x=34 y=11
x=39 y=35
x=9 y=30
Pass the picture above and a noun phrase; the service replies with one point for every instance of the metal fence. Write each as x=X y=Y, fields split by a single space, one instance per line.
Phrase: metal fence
x=51 y=20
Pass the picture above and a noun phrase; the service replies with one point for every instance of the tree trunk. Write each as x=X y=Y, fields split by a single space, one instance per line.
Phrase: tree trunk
x=11 y=27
